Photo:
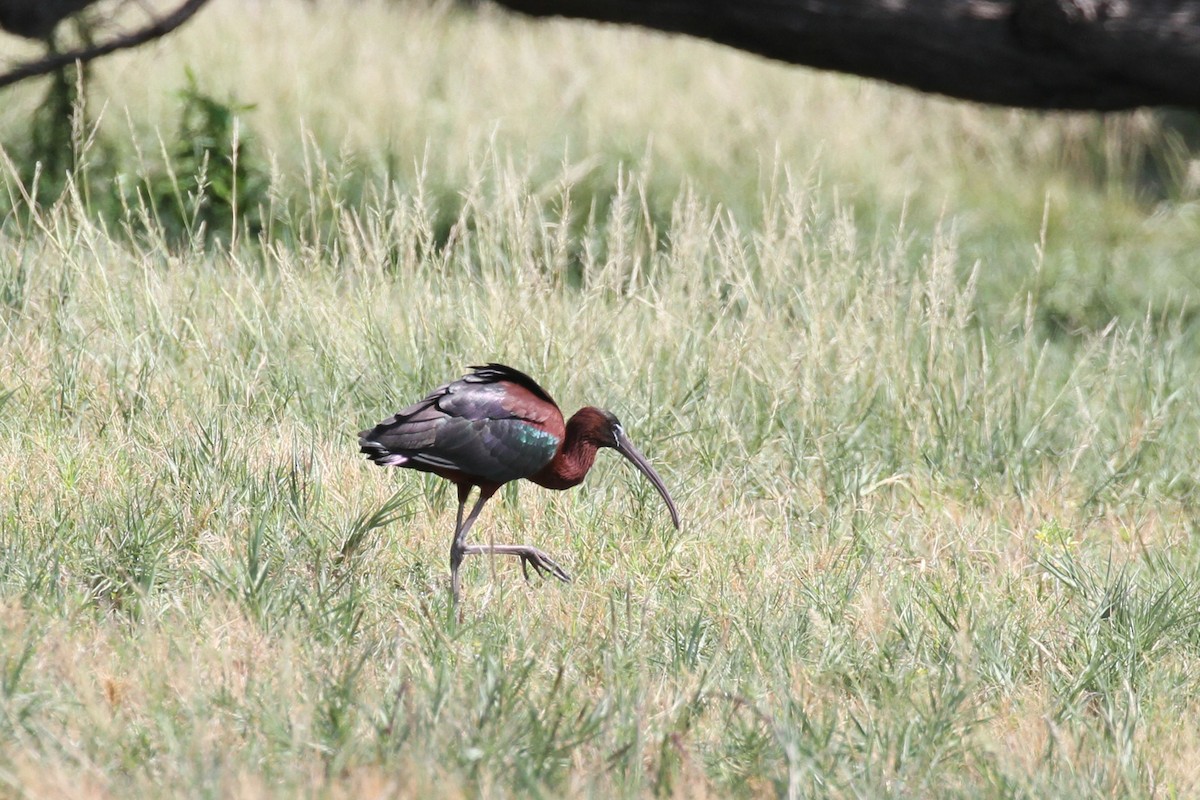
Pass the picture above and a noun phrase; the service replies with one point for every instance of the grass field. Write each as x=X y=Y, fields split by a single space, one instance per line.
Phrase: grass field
x=921 y=377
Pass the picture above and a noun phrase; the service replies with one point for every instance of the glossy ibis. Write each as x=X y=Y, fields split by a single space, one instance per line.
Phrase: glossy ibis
x=492 y=426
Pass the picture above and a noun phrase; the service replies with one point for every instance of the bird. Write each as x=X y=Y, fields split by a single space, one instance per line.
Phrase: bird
x=493 y=426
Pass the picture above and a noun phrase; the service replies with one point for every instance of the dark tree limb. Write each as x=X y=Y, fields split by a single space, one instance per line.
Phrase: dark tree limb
x=37 y=19
x=1048 y=54
x=155 y=29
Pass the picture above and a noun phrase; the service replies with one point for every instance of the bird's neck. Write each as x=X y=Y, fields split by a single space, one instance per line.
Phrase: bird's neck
x=573 y=460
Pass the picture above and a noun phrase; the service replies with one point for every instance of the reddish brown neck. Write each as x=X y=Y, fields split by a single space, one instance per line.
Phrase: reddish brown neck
x=577 y=453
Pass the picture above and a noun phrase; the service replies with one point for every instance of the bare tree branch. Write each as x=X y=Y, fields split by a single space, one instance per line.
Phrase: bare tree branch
x=55 y=61
x=1050 y=54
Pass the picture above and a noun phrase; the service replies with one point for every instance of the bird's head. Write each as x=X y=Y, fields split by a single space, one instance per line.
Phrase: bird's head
x=605 y=430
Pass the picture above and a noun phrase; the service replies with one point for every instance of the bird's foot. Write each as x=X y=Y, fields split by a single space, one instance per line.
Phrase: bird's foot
x=542 y=563
x=530 y=557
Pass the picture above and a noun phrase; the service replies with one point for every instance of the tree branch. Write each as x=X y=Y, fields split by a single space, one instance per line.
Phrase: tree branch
x=37 y=19
x=56 y=61
x=1048 y=54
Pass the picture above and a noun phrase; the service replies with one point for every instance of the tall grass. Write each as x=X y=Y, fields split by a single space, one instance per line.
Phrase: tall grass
x=937 y=535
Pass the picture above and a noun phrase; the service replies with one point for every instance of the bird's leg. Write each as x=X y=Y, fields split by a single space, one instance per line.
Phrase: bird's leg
x=456 y=555
x=530 y=557
x=458 y=548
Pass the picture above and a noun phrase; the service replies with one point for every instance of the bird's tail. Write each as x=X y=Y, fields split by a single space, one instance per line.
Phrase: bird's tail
x=378 y=453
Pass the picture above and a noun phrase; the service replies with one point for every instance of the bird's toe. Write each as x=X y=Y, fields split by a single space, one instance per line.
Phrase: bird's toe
x=543 y=564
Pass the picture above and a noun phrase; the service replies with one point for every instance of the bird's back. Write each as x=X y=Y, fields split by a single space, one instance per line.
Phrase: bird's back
x=491 y=426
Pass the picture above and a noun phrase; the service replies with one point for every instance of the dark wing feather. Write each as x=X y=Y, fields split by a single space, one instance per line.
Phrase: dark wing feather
x=471 y=426
x=493 y=372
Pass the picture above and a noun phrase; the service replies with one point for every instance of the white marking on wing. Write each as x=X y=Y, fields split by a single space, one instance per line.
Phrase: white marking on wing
x=394 y=460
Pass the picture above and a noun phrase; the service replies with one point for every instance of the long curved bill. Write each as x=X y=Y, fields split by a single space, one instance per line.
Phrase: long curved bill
x=626 y=448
